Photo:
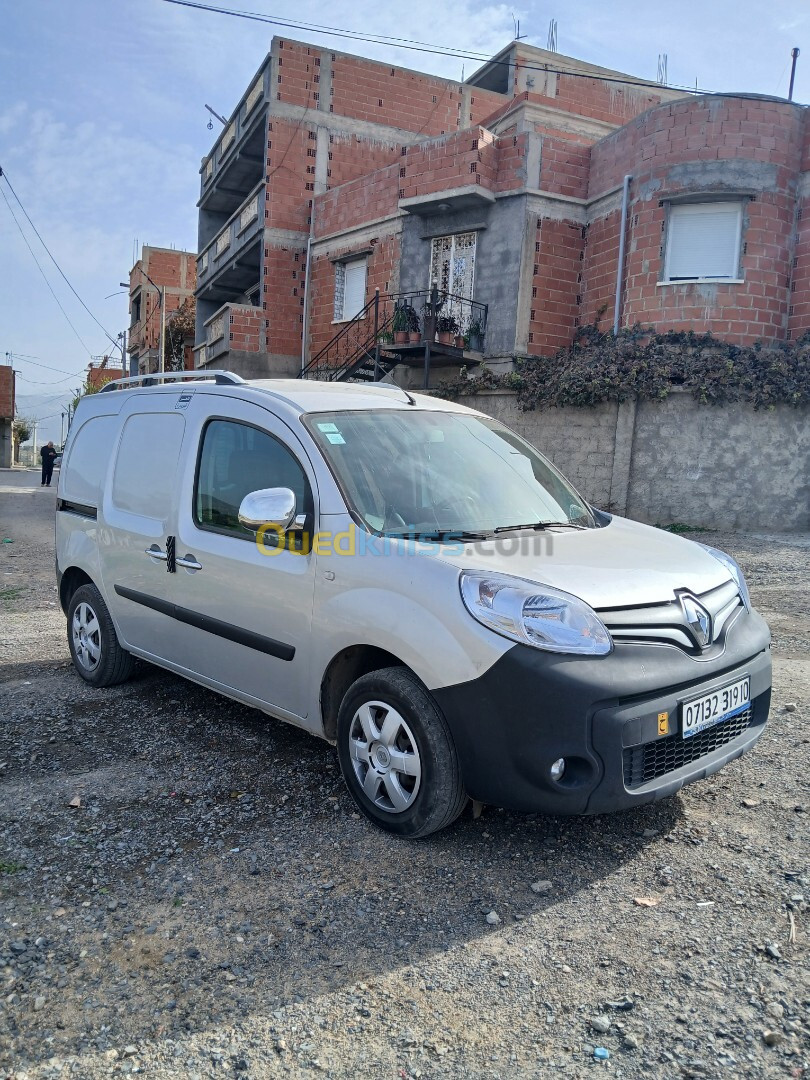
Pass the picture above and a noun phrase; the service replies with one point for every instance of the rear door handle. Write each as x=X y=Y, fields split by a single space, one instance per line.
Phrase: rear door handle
x=154 y=552
x=189 y=562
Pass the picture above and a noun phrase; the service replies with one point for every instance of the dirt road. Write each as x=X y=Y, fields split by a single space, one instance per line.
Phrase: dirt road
x=213 y=906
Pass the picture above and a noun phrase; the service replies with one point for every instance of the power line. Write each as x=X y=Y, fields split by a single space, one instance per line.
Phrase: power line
x=48 y=367
x=45 y=279
x=107 y=334
x=414 y=45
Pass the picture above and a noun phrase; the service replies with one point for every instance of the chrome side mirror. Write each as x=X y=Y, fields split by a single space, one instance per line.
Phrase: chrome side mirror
x=274 y=507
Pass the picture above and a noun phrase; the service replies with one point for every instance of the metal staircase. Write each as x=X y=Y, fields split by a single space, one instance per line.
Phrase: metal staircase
x=369 y=346
x=355 y=353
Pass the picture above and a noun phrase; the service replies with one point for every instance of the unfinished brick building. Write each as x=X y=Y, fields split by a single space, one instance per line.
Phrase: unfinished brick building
x=7 y=383
x=156 y=270
x=490 y=211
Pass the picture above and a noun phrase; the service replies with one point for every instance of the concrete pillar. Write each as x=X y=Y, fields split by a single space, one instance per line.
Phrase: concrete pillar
x=622 y=455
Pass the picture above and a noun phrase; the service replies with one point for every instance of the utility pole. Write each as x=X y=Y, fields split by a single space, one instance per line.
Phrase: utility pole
x=35 y=441
x=162 y=367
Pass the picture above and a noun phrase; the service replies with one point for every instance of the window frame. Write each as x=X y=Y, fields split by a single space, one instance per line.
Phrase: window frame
x=341 y=266
x=270 y=540
x=705 y=205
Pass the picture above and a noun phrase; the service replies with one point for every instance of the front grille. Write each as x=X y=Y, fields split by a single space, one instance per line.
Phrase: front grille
x=653 y=759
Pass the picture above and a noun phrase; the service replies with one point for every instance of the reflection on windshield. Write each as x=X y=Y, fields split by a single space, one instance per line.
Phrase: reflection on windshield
x=436 y=472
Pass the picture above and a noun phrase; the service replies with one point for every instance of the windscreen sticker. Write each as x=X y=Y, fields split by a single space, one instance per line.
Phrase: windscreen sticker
x=328 y=427
x=335 y=438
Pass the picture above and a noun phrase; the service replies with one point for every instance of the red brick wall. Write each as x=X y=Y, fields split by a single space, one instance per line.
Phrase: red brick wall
x=372 y=91
x=361 y=200
x=6 y=392
x=565 y=162
x=283 y=297
x=511 y=157
x=799 y=313
x=246 y=328
x=383 y=274
x=390 y=95
x=288 y=197
x=459 y=160
x=555 y=285
x=653 y=149
x=100 y=376
x=599 y=270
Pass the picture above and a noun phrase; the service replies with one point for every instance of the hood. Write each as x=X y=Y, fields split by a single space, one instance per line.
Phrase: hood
x=624 y=564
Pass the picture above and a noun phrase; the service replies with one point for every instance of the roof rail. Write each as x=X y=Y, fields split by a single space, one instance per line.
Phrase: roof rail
x=221 y=378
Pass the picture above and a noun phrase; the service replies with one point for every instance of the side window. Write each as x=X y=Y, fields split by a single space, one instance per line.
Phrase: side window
x=143 y=480
x=236 y=459
x=703 y=242
x=350 y=289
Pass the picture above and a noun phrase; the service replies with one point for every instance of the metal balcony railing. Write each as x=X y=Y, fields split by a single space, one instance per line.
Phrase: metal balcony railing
x=391 y=325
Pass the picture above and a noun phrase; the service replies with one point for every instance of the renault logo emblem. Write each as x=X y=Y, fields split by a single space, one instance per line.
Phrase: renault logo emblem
x=698 y=618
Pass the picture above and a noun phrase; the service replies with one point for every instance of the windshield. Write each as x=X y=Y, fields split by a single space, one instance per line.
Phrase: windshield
x=421 y=472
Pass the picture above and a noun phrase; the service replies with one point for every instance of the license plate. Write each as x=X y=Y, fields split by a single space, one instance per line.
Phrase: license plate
x=710 y=709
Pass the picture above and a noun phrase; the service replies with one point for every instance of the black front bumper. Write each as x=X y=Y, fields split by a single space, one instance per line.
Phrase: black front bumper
x=602 y=715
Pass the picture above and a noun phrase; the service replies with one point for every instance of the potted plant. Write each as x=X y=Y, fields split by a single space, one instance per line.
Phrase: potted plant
x=400 y=326
x=447 y=328
x=430 y=313
x=385 y=337
x=414 y=328
x=475 y=336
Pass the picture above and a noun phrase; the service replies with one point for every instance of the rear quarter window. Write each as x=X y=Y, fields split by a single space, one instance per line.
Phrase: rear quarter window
x=87 y=459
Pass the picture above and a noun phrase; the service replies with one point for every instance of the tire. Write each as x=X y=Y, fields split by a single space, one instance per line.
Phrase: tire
x=93 y=642
x=388 y=718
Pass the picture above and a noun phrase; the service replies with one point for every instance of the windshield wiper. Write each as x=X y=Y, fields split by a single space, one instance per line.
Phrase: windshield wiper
x=439 y=535
x=538 y=525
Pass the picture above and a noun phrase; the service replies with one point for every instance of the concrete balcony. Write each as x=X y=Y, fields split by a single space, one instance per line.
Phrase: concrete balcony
x=231 y=264
x=219 y=334
x=238 y=157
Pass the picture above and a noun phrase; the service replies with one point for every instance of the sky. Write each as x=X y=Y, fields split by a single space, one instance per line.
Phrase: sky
x=103 y=125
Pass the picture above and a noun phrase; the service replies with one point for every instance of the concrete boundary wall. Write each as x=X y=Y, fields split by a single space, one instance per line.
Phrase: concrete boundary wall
x=727 y=467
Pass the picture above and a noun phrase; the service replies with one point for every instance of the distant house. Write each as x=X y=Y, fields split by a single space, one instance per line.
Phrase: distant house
x=338 y=176
x=100 y=371
x=158 y=269
x=7 y=387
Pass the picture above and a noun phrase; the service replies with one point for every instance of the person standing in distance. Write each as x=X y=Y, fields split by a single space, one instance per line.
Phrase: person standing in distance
x=48 y=455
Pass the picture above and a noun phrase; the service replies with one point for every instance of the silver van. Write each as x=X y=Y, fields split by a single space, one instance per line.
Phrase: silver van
x=410 y=580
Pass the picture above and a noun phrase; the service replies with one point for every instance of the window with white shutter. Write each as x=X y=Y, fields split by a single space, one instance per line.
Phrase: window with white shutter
x=703 y=242
x=350 y=289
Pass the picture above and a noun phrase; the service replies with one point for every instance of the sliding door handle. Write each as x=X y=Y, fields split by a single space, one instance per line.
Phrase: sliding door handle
x=189 y=562
x=154 y=552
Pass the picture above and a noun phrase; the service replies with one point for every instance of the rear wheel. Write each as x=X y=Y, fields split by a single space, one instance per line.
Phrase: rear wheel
x=397 y=755
x=94 y=647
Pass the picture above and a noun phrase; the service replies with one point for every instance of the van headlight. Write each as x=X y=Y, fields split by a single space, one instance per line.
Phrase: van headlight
x=733 y=568
x=533 y=614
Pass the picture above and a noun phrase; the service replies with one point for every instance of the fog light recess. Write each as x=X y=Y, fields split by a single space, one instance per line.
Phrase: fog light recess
x=558 y=769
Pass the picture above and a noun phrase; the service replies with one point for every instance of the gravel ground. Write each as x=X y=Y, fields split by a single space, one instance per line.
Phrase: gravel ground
x=186 y=890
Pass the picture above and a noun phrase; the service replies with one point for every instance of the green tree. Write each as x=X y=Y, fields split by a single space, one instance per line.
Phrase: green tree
x=179 y=330
x=21 y=431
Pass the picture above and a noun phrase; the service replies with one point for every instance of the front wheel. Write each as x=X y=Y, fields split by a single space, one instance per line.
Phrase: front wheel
x=397 y=755
x=94 y=647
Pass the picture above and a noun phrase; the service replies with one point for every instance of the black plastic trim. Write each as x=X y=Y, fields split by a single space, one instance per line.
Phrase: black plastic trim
x=531 y=708
x=221 y=629
x=80 y=509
